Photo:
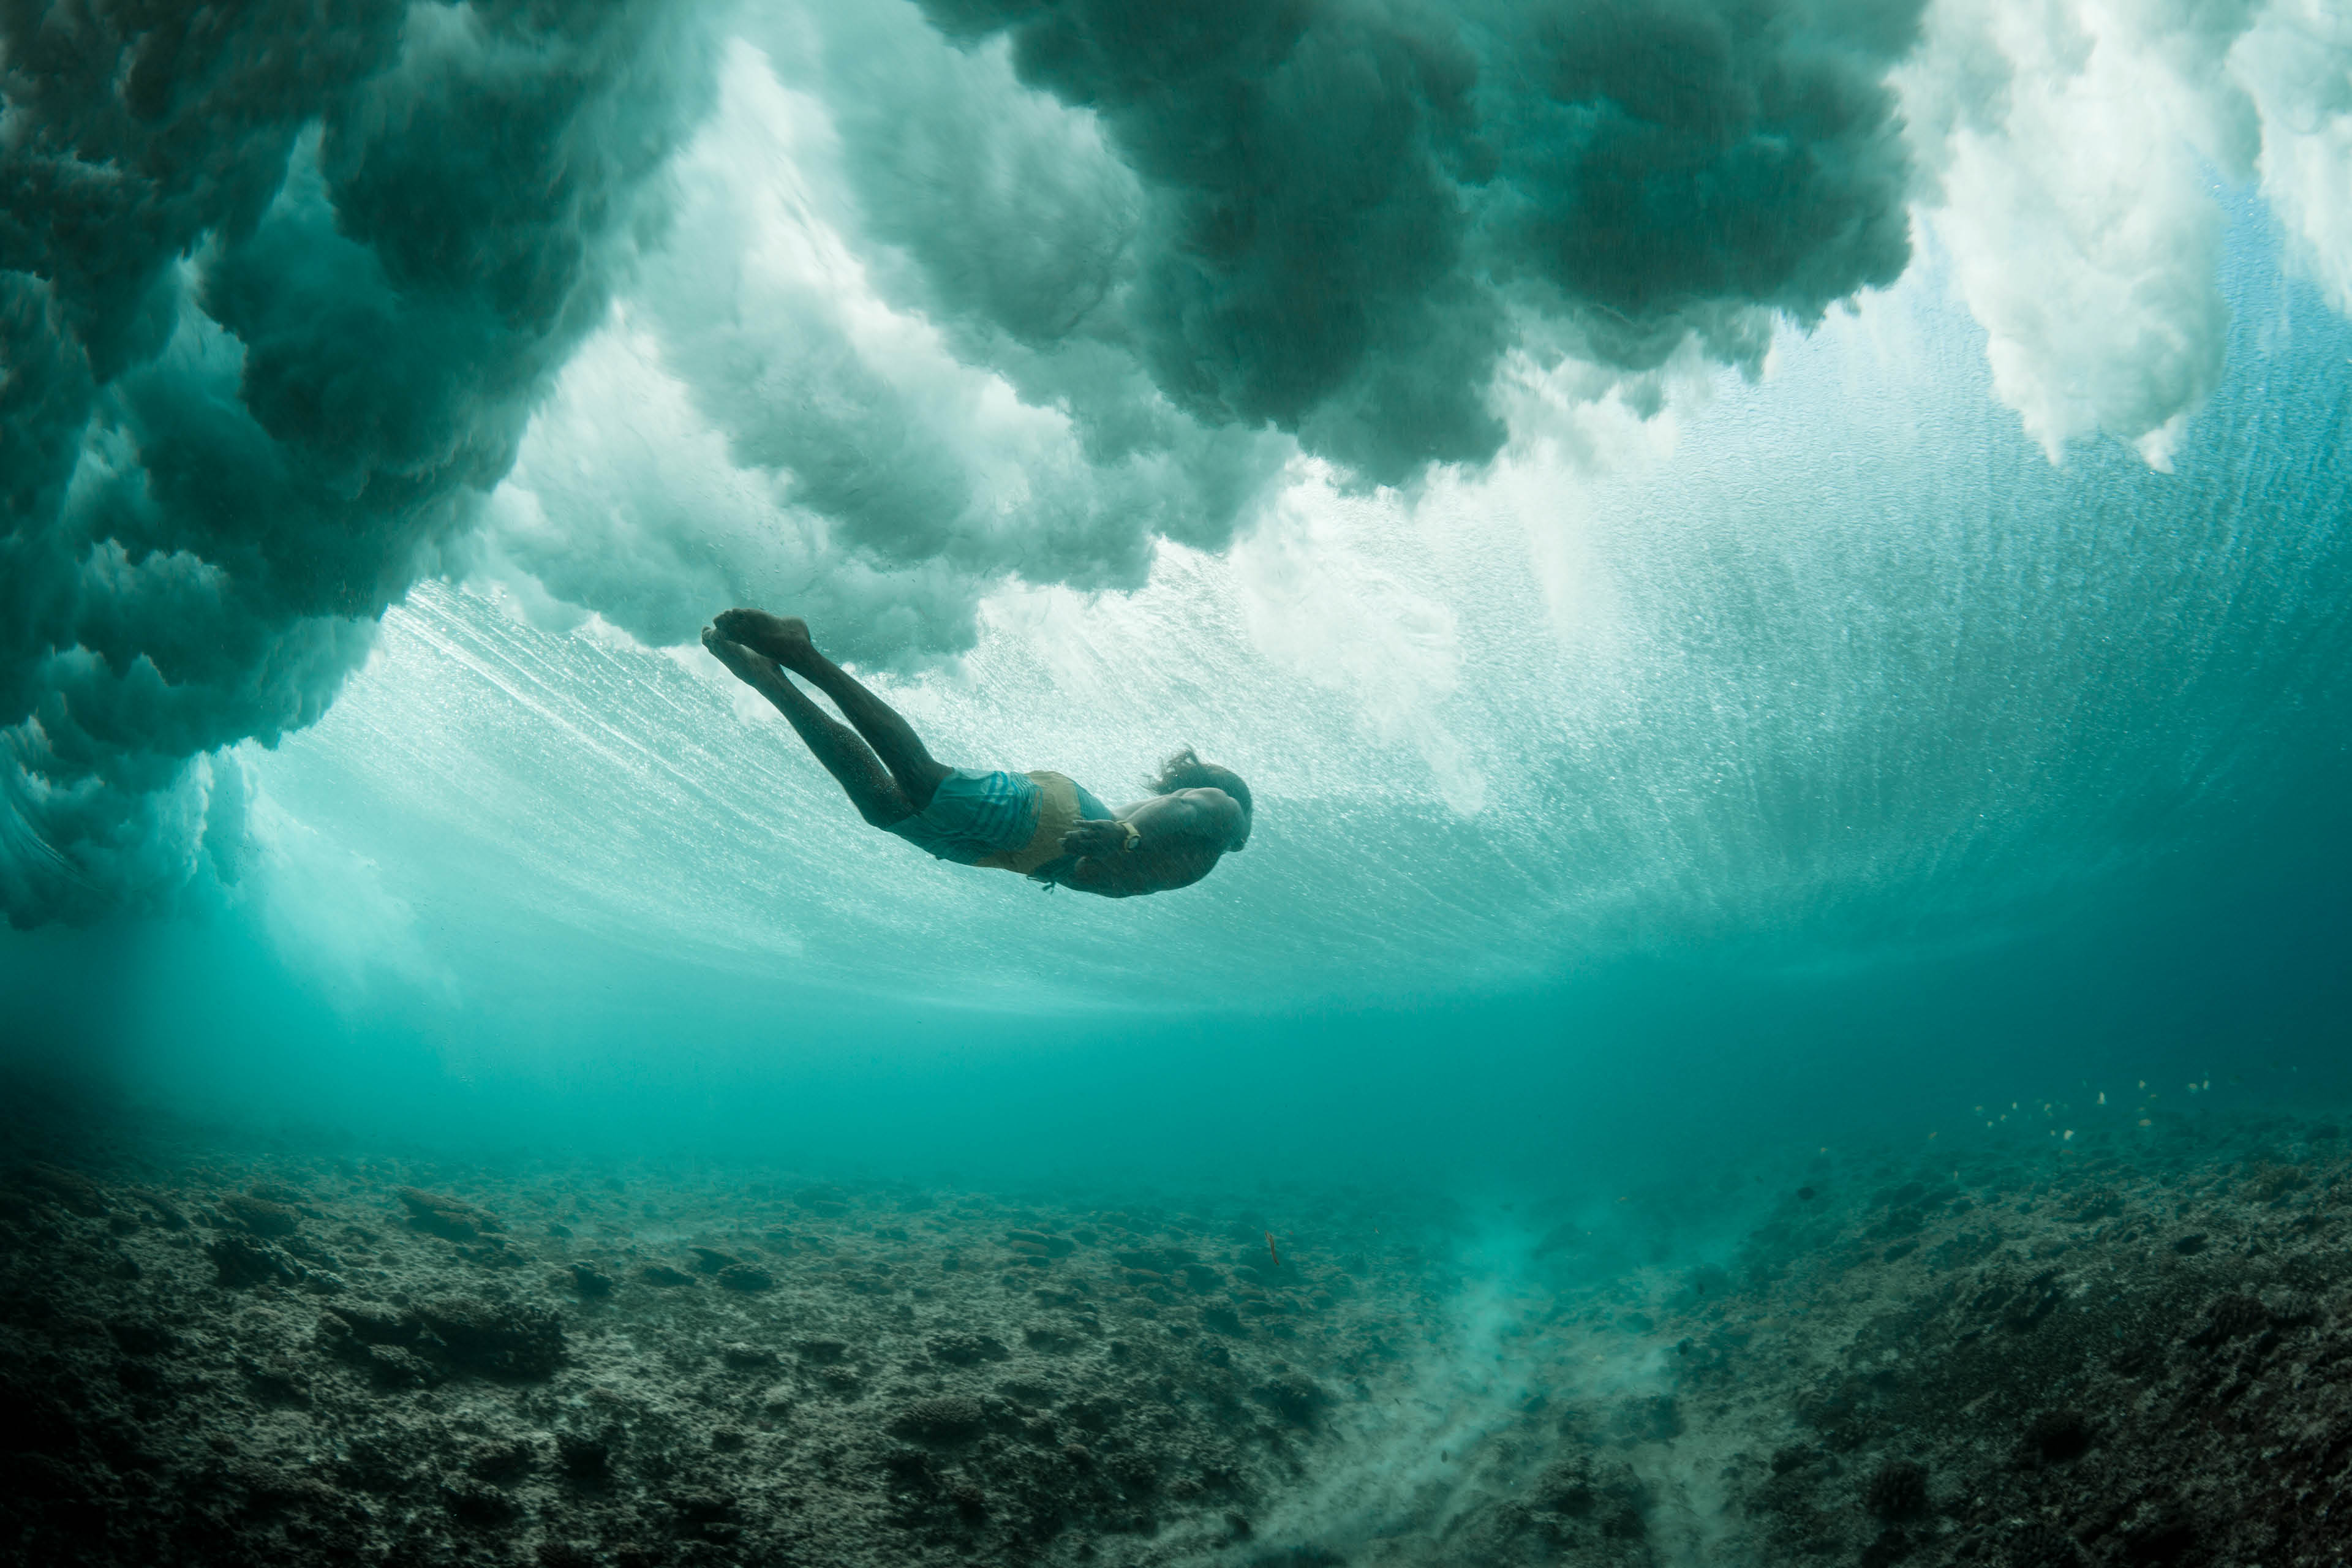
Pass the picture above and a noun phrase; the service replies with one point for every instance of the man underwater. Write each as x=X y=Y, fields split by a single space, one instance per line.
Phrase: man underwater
x=1040 y=824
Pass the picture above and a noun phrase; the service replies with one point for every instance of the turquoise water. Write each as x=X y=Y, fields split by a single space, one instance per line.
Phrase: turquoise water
x=1780 y=573
x=1779 y=749
x=1853 y=765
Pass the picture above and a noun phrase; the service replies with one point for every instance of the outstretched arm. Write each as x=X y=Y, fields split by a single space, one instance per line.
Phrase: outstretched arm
x=1175 y=839
x=1202 y=815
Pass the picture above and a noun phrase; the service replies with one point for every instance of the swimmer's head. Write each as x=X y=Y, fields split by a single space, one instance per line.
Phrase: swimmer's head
x=1185 y=770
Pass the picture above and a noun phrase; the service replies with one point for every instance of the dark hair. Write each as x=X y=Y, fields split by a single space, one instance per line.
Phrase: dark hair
x=1185 y=770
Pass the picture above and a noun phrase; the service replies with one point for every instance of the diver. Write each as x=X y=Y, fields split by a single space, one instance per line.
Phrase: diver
x=1040 y=824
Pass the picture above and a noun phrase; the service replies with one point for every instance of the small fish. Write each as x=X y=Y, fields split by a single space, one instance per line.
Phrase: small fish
x=1270 y=1252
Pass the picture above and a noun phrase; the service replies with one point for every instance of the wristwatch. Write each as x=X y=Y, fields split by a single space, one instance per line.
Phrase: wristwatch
x=1134 y=836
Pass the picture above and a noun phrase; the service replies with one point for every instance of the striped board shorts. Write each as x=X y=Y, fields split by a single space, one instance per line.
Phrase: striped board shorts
x=976 y=814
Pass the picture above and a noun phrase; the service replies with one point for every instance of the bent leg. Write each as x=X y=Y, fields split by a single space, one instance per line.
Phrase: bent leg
x=853 y=764
x=786 y=640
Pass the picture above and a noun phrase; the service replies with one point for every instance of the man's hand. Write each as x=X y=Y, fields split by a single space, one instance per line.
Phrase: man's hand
x=1095 y=838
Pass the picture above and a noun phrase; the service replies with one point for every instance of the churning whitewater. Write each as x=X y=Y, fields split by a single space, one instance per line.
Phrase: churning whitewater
x=1775 y=583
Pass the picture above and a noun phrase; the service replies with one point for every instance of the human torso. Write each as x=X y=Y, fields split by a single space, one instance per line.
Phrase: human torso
x=1145 y=870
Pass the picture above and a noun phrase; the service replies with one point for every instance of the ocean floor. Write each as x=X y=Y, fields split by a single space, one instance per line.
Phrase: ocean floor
x=2137 y=1349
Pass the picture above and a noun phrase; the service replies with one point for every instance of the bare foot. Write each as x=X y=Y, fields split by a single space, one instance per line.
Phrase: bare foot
x=747 y=664
x=785 y=638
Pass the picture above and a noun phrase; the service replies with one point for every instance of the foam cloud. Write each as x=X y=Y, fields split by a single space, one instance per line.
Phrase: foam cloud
x=775 y=418
x=1348 y=213
x=2072 y=151
x=875 y=308
x=2073 y=146
x=278 y=295
x=2296 y=63
x=962 y=296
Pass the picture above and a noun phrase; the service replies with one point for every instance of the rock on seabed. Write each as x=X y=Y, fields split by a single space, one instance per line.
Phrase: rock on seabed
x=2135 y=1354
